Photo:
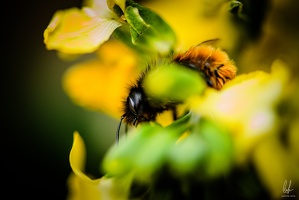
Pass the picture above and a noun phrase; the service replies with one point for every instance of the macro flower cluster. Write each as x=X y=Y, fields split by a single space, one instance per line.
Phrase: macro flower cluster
x=240 y=142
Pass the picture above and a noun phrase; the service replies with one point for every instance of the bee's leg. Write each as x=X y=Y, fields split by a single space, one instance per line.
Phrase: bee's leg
x=174 y=113
x=126 y=129
x=118 y=129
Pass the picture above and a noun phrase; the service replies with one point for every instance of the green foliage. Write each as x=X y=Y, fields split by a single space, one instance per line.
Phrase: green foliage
x=219 y=157
x=205 y=153
x=143 y=151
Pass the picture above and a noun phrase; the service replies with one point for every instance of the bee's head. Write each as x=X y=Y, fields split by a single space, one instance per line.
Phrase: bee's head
x=137 y=107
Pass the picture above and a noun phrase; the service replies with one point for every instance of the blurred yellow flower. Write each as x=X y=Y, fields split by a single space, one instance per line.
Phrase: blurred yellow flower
x=246 y=106
x=81 y=186
x=80 y=31
x=276 y=164
x=192 y=26
x=101 y=84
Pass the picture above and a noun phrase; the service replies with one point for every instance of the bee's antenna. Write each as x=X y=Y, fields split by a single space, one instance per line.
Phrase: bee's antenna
x=210 y=41
x=118 y=128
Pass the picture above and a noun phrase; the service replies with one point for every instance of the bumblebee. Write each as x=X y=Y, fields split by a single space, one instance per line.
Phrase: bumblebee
x=212 y=63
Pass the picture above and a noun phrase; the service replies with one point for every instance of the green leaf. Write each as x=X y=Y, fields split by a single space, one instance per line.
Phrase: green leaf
x=120 y=158
x=182 y=124
x=235 y=7
x=123 y=34
x=219 y=158
x=173 y=82
x=206 y=152
x=153 y=154
x=188 y=154
x=136 y=22
x=148 y=29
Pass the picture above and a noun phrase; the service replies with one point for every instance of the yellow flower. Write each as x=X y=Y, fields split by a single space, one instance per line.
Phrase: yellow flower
x=81 y=186
x=246 y=106
x=276 y=164
x=101 y=84
x=196 y=21
x=79 y=31
x=277 y=157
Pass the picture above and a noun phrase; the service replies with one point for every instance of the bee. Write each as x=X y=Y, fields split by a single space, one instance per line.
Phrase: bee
x=213 y=64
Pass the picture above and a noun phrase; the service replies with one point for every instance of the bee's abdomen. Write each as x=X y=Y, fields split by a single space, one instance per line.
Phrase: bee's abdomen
x=213 y=64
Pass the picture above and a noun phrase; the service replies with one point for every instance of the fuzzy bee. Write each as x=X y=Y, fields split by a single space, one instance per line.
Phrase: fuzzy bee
x=213 y=64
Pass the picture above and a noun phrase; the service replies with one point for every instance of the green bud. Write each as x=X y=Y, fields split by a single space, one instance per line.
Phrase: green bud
x=120 y=158
x=153 y=154
x=173 y=82
x=186 y=155
x=149 y=30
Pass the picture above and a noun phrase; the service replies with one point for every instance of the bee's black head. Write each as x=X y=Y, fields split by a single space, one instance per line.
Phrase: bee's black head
x=134 y=104
x=137 y=108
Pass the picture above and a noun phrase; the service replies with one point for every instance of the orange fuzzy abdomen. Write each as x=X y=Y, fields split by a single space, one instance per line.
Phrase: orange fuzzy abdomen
x=214 y=63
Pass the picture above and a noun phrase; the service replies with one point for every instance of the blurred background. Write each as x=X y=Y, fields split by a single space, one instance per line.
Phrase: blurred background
x=39 y=118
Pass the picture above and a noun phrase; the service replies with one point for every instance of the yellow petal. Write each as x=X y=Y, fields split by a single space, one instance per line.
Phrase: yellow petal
x=294 y=139
x=238 y=100
x=120 y=3
x=275 y=165
x=83 y=187
x=77 y=158
x=75 y=31
x=102 y=7
x=102 y=84
x=80 y=185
